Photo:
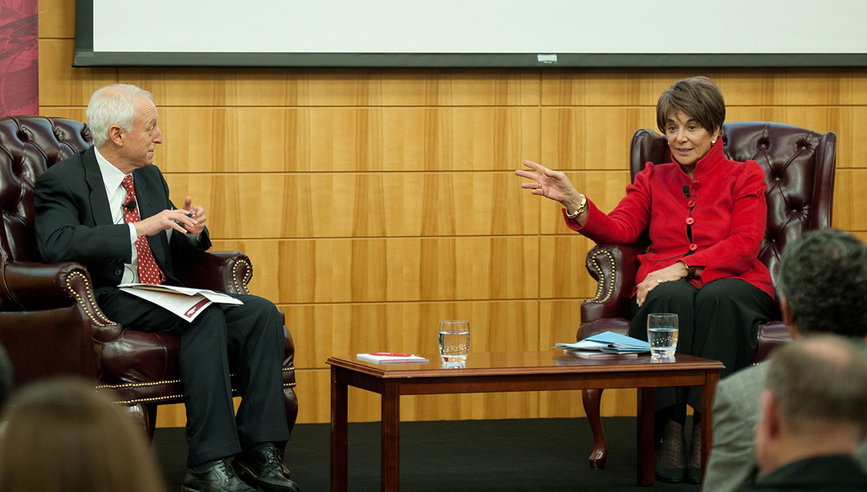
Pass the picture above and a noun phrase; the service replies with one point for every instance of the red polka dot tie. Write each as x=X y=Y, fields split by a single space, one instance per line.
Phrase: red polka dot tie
x=148 y=271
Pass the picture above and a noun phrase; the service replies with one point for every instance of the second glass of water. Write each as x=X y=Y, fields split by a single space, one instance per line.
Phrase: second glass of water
x=662 y=335
x=454 y=340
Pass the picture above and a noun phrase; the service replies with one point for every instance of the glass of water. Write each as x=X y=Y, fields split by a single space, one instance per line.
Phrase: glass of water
x=662 y=335
x=454 y=339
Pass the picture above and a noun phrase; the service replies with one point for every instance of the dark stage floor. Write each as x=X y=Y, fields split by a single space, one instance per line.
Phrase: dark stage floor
x=457 y=456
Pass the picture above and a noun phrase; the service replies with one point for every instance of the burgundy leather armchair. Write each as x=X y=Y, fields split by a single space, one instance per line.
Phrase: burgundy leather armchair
x=49 y=321
x=799 y=170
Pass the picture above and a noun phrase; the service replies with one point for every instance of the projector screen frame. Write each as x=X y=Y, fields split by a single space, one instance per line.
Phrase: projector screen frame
x=85 y=56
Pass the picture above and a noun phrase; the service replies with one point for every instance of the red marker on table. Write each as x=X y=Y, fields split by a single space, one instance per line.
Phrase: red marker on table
x=389 y=354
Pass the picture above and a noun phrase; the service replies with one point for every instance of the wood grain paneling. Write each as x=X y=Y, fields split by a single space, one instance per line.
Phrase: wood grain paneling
x=337 y=87
x=259 y=205
x=343 y=330
x=341 y=139
x=561 y=267
x=394 y=269
x=589 y=138
x=740 y=87
x=850 y=200
x=60 y=84
x=56 y=19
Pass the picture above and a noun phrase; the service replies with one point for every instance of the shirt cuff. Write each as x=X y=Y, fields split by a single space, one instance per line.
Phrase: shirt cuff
x=132 y=234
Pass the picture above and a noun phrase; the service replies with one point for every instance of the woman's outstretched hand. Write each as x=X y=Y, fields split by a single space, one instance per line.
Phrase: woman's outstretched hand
x=550 y=184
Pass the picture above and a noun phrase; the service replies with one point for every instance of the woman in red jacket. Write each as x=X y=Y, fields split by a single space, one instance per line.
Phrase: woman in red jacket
x=705 y=217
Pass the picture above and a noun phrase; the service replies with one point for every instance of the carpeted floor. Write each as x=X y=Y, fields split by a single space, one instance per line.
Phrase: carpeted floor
x=457 y=456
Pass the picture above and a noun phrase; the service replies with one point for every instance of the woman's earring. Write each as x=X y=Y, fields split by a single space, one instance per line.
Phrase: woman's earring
x=713 y=142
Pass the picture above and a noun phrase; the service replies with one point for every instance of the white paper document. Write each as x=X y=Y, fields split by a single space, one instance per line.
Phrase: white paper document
x=185 y=302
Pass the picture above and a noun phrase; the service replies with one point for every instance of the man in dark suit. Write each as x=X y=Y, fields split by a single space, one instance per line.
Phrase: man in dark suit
x=813 y=417
x=109 y=209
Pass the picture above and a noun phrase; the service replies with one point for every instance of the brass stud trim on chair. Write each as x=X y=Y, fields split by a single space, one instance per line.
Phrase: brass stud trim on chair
x=602 y=279
x=136 y=385
x=241 y=286
x=172 y=381
x=148 y=400
x=91 y=301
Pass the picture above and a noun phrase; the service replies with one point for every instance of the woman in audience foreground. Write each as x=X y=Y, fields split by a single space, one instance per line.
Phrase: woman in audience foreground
x=705 y=218
x=62 y=435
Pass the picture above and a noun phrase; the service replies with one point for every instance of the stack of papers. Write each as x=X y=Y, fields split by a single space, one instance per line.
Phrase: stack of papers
x=391 y=358
x=182 y=301
x=608 y=343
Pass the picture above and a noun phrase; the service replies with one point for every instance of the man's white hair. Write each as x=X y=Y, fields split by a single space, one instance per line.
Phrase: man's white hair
x=112 y=105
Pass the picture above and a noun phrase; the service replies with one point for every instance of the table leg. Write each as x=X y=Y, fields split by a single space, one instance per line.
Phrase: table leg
x=708 y=393
x=646 y=432
x=339 y=434
x=390 y=438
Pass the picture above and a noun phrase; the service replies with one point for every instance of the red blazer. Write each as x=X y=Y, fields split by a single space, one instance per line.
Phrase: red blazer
x=728 y=215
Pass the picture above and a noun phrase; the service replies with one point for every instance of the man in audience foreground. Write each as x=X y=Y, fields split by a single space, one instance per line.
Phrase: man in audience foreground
x=823 y=287
x=813 y=417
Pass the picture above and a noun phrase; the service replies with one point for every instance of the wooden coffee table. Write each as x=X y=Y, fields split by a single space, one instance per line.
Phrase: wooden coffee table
x=502 y=372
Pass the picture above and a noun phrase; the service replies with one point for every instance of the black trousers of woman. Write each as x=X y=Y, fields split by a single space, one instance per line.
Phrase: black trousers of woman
x=720 y=321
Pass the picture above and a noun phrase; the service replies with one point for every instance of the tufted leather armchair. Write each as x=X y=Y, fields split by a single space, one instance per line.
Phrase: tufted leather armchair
x=49 y=322
x=799 y=169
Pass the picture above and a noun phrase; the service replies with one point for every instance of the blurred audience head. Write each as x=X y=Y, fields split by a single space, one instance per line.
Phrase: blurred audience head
x=61 y=434
x=823 y=282
x=814 y=401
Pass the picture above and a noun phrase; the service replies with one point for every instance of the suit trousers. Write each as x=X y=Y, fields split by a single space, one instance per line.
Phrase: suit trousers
x=247 y=340
x=720 y=321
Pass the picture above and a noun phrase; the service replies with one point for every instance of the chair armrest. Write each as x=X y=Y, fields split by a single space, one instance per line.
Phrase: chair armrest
x=31 y=286
x=614 y=267
x=223 y=271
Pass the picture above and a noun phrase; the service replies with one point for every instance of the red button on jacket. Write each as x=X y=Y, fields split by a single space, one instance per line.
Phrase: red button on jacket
x=693 y=247
x=690 y=221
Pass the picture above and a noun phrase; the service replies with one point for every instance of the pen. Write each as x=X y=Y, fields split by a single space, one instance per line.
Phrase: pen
x=390 y=354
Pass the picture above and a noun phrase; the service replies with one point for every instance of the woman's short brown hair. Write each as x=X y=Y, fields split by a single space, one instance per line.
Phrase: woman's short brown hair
x=699 y=97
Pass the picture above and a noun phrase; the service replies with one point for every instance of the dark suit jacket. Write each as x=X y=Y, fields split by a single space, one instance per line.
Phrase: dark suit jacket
x=826 y=473
x=73 y=221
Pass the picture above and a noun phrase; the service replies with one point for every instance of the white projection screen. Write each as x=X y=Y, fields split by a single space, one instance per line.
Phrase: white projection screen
x=471 y=33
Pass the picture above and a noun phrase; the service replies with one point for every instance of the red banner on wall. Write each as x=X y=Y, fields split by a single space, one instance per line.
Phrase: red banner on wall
x=19 y=68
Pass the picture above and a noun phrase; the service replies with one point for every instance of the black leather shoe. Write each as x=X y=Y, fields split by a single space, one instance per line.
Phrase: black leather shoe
x=220 y=478
x=265 y=470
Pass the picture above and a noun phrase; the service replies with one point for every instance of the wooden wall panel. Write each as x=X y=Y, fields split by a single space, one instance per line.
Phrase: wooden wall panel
x=396 y=269
x=321 y=205
x=375 y=202
x=343 y=330
x=62 y=85
x=740 y=87
x=340 y=139
x=590 y=138
x=337 y=87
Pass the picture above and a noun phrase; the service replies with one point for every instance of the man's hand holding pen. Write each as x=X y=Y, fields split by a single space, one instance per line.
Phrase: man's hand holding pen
x=189 y=220
x=196 y=214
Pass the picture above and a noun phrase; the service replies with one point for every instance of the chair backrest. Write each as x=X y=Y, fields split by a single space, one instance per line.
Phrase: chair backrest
x=28 y=146
x=799 y=170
